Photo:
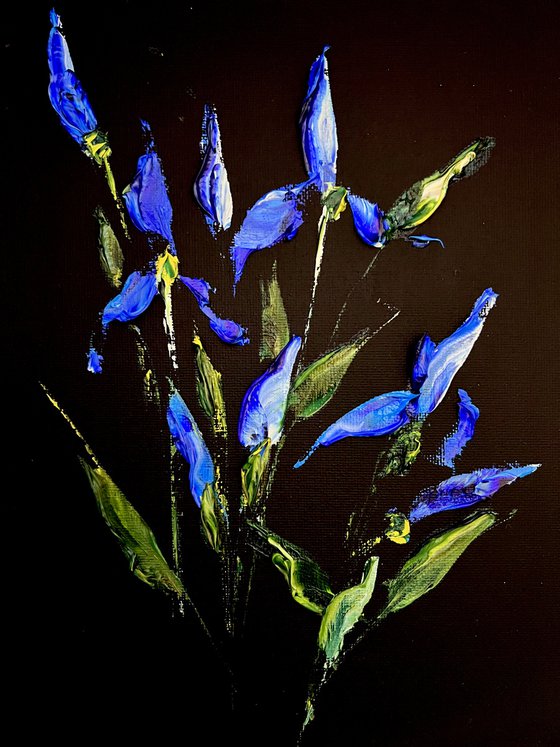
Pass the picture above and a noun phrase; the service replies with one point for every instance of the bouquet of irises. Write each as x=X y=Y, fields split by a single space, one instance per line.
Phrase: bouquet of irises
x=287 y=389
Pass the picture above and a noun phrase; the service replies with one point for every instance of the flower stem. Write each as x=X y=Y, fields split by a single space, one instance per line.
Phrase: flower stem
x=113 y=189
x=323 y=220
x=168 y=323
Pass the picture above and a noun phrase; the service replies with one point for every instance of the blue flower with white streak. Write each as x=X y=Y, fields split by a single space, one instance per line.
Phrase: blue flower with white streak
x=211 y=188
x=379 y=416
x=462 y=491
x=454 y=444
x=66 y=94
x=190 y=444
x=436 y=365
x=264 y=406
x=318 y=126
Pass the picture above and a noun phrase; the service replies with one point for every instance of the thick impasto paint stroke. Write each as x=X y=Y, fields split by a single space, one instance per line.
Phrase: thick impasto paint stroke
x=275 y=330
x=110 y=252
x=454 y=444
x=211 y=187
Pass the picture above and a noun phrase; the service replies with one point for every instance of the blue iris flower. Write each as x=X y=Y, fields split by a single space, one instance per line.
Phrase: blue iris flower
x=271 y=220
x=150 y=209
x=211 y=188
x=67 y=96
x=264 y=405
x=190 y=444
x=379 y=416
x=95 y=361
x=454 y=444
x=465 y=490
x=436 y=365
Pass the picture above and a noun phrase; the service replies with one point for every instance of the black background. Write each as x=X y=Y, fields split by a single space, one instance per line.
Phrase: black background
x=473 y=663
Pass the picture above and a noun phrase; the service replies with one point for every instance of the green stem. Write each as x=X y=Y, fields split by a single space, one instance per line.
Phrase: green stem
x=323 y=220
x=113 y=189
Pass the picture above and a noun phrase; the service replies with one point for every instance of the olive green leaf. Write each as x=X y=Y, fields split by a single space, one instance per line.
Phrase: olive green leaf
x=275 y=331
x=420 y=202
x=209 y=389
x=317 y=384
x=134 y=535
x=213 y=517
x=110 y=252
x=253 y=471
x=344 y=611
x=307 y=582
x=424 y=571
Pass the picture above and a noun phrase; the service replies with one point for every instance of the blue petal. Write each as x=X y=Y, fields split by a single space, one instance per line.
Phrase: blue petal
x=66 y=94
x=453 y=445
x=58 y=53
x=465 y=490
x=146 y=197
x=135 y=297
x=318 y=126
x=227 y=330
x=264 y=405
x=368 y=220
x=422 y=241
x=211 y=188
x=190 y=444
x=377 y=417
x=426 y=348
x=94 y=361
x=448 y=357
x=274 y=217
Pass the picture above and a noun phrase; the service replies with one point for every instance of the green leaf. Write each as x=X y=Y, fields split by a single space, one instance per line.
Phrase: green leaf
x=253 y=472
x=424 y=571
x=420 y=202
x=134 y=535
x=275 y=331
x=307 y=582
x=317 y=384
x=110 y=252
x=213 y=518
x=404 y=450
x=209 y=390
x=344 y=611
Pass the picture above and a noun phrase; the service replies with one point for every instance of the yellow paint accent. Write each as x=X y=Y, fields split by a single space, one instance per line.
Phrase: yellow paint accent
x=167 y=268
x=66 y=417
x=399 y=529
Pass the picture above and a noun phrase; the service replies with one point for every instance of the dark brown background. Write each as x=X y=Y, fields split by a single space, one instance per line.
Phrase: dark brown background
x=475 y=662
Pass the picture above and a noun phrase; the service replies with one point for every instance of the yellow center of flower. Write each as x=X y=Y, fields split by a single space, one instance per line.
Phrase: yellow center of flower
x=167 y=268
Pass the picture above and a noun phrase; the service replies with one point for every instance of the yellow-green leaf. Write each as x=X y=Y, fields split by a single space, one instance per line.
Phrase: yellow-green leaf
x=317 y=384
x=275 y=331
x=253 y=471
x=110 y=252
x=213 y=518
x=425 y=570
x=308 y=583
x=209 y=389
x=344 y=611
x=134 y=535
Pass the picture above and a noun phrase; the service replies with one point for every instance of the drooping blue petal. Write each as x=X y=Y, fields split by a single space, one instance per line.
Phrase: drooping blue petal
x=318 y=125
x=146 y=197
x=448 y=357
x=227 y=330
x=379 y=416
x=135 y=297
x=211 y=188
x=422 y=241
x=66 y=94
x=190 y=444
x=273 y=218
x=465 y=490
x=369 y=221
x=95 y=361
x=264 y=405
x=424 y=353
x=453 y=444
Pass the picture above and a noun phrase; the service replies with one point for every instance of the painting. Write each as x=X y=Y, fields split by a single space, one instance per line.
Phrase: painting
x=282 y=344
